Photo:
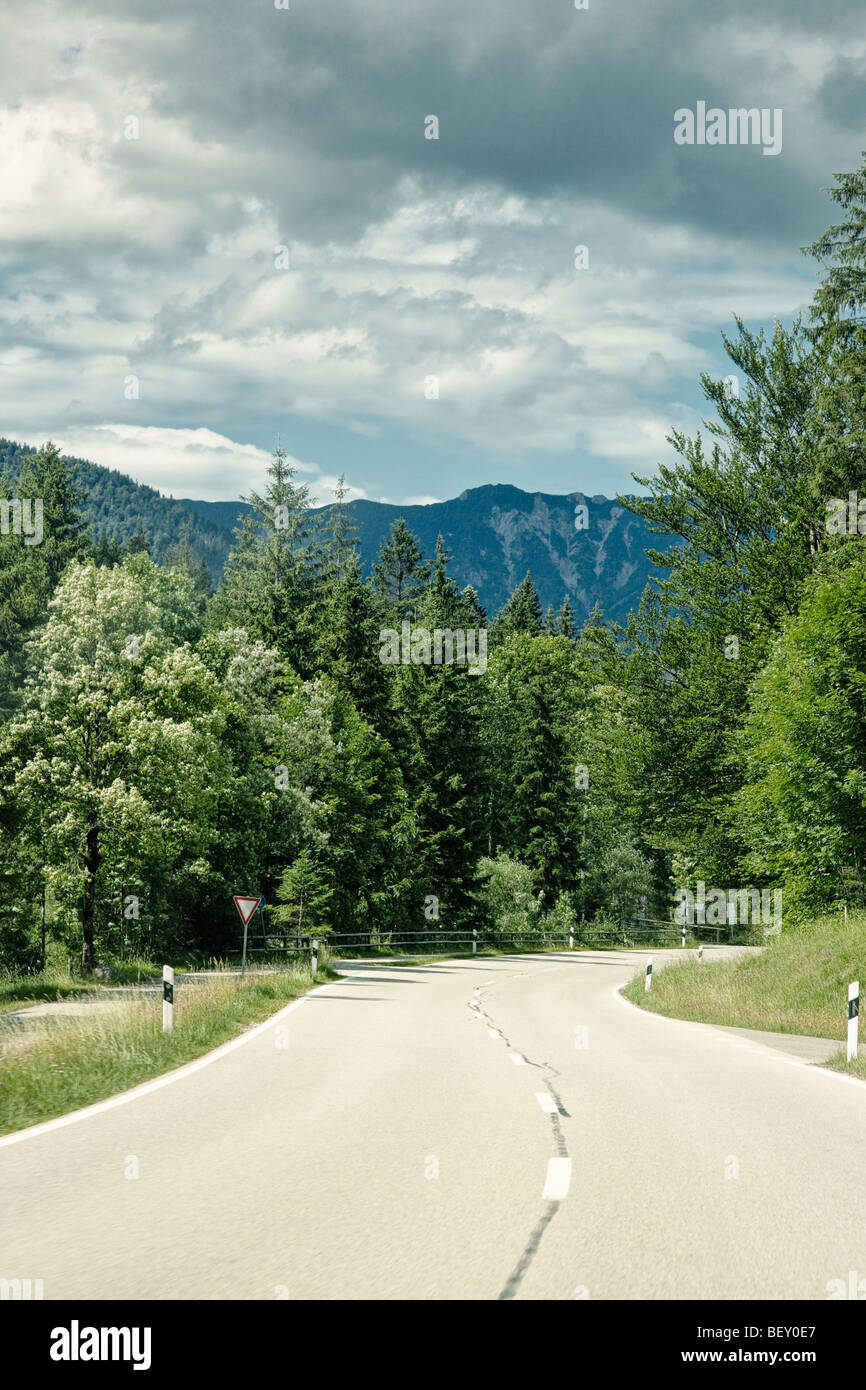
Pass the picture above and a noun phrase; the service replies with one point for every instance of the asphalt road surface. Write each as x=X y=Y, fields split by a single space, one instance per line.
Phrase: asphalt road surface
x=504 y=1128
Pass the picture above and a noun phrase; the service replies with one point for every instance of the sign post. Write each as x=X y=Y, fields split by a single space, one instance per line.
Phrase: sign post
x=167 y=999
x=246 y=906
x=853 y=1011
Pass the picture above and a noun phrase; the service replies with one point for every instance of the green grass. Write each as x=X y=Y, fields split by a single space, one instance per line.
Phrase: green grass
x=797 y=984
x=53 y=1067
x=60 y=982
x=20 y=991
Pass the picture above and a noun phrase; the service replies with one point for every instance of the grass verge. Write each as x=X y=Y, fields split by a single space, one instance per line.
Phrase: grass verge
x=797 y=984
x=56 y=1065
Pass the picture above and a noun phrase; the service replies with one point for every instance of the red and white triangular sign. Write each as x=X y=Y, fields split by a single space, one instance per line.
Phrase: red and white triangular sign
x=246 y=907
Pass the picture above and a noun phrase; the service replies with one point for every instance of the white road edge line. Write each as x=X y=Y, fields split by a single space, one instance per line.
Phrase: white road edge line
x=558 y=1180
x=547 y=1103
x=166 y=1079
x=763 y=1050
x=493 y=1033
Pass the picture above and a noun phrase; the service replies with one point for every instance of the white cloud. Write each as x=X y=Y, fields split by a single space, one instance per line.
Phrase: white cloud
x=155 y=256
x=185 y=462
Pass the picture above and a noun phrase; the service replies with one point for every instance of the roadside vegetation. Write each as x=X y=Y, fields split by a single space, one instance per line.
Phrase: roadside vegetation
x=797 y=984
x=58 y=1064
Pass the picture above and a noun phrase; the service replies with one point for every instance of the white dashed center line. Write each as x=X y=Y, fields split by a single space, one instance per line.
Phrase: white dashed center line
x=558 y=1180
x=547 y=1103
x=517 y=1059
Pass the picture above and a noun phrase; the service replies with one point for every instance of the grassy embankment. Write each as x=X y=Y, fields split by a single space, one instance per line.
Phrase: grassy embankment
x=58 y=982
x=797 y=984
x=60 y=1064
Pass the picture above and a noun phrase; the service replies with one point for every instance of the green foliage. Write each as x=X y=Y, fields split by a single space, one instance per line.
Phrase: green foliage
x=304 y=896
x=522 y=613
x=505 y=891
x=162 y=747
x=804 y=802
x=399 y=573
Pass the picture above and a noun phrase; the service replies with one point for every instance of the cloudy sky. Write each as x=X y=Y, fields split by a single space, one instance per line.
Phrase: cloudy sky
x=153 y=159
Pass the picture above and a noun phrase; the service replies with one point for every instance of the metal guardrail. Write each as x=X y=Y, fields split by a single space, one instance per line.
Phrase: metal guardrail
x=429 y=938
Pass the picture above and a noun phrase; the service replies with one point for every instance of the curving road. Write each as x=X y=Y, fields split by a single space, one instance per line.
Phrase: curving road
x=474 y=1130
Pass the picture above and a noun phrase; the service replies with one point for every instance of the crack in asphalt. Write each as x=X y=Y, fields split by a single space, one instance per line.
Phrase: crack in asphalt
x=514 y=1280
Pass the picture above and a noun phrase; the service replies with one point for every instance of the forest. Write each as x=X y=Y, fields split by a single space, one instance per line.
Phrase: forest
x=164 y=745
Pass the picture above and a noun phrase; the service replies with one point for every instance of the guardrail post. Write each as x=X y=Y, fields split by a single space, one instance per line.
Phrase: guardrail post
x=853 y=1011
x=648 y=977
x=315 y=959
x=167 y=999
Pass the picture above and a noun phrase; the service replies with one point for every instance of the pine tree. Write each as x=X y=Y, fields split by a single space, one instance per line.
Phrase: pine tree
x=522 y=613
x=137 y=543
x=842 y=252
x=272 y=582
x=304 y=896
x=399 y=572
x=476 y=613
x=349 y=644
x=565 y=624
x=439 y=735
x=181 y=555
x=549 y=621
x=30 y=572
x=342 y=533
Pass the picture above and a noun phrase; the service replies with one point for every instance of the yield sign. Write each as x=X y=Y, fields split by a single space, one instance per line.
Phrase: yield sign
x=246 y=907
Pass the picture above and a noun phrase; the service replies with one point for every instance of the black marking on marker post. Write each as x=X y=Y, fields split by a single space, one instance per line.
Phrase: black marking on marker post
x=167 y=992
x=853 y=1021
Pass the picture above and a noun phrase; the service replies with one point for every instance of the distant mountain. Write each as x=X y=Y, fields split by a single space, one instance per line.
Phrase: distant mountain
x=494 y=534
x=117 y=508
x=498 y=532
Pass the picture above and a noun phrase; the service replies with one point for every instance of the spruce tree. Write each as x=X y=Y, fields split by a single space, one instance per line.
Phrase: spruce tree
x=341 y=537
x=399 y=572
x=349 y=644
x=304 y=896
x=30 y=567
x=522 y=613
x=272 y=582
x=565 y=624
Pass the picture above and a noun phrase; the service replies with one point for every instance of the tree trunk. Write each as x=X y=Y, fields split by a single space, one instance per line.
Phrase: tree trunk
x=88 y=917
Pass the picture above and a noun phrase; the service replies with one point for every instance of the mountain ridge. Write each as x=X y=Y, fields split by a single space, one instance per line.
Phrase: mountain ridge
x=494 y=533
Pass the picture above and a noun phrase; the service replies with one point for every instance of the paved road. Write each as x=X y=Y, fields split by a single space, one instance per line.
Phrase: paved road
x=473 y=1130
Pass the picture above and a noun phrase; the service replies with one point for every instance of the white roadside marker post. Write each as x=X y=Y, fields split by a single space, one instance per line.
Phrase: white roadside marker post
x=683 y=942
x=474 y=941
x=701 y=950
x=853 y=1011
x=571 y=941
x=167 y=999
x=648 y=978
x=315 y=960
